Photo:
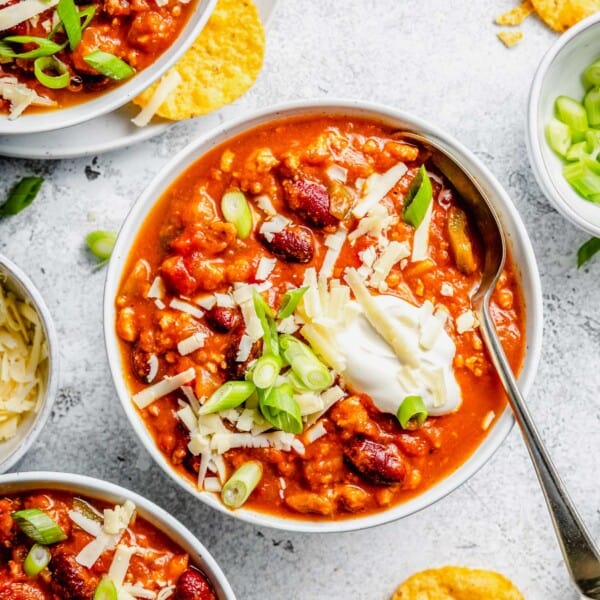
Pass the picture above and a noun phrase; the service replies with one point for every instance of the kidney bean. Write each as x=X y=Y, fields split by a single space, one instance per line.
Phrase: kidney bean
x=235 y=369
x=311 y=201
x=292 y=244
x=223 y=319
x=71 y=580
x=378 y=463
x=193 y=585
x=140 y=364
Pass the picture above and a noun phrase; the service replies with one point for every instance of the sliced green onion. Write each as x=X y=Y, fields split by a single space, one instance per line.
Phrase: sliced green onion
x=591 y=102
x=418 y=198
x=279 y=407
x=21 y=196
x=236 y=210
x=230 y=395
x=591 y=76
x=37 y=560
x=290 y=301
x=587 y=251
x=109 y=65
x=412 y=412
x=582 y=179
x=45 y=47
x=101 y=243
x=577 y=151
x=69 y=15
x=267 y=322
x=39 y=526
x=311 y=372
x=265 y=371
x=87 y=14
x=241 y=484
x=572 y=113
x=51 y=63
x=558 y=135
x=106 y=590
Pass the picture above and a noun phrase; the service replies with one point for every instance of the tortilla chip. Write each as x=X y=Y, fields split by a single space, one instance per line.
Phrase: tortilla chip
x=457 y=583
x=515 y=16
x=221 y=65
x=510 y=38
x=562 y=14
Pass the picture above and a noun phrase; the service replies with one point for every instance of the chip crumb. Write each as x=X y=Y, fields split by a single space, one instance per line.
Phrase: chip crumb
x=562 y=14
x=457 y=583
x=220 y=66
x=510 y=38
x=515 y=16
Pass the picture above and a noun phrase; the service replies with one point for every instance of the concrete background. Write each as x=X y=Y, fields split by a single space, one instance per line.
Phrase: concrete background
x=442 y=61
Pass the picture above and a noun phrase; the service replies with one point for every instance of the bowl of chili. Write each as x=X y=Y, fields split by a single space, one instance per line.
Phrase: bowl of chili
x=28 y=363
x=62 y=63
x=288 y=326
x=73 y=536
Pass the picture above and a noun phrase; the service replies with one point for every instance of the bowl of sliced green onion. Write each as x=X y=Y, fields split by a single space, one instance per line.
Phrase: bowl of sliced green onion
x=563 y=128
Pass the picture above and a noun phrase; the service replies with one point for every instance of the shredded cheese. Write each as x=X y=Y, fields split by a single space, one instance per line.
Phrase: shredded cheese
x=377 y=187
x=23 y=11
x=265 y=268
x=166 y=87
x=23 y=352
x=192 y=343
x=163 y=387
x=186 y=307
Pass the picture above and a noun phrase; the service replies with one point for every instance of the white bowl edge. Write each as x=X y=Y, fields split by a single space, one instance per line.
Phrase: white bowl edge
x=517 y=239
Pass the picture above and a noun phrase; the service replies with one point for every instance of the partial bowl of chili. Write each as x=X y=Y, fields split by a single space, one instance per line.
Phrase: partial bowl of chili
x=28 y=363
x=288 y=325
x=74 y=536
x=62 y=63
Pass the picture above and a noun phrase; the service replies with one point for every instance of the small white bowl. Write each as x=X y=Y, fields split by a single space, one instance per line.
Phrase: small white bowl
x=558 y=74
x=517 y=240
x=114 y=494
x=118 y=96
x=13 y=450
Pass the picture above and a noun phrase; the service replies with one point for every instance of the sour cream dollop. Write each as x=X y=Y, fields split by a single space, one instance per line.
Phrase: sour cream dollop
x=373 y=367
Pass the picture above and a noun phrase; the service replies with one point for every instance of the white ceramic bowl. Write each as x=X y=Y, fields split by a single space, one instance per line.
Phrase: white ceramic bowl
x=517 y=239
x=558 y=74
x=114 y=494
x=118 y=96
x=13 y=450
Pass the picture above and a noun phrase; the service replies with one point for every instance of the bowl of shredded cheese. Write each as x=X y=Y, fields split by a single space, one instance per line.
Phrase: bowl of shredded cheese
x=28 y=363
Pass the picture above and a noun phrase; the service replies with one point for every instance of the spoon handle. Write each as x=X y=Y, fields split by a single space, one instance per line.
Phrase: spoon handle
x=579 y=551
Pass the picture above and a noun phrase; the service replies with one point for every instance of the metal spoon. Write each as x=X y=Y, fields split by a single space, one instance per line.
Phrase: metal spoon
x=579 y=551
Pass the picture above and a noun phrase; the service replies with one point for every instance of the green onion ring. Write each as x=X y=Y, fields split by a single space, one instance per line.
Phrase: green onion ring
x=54 y=82
x=230 y=395
x=236 y=210
x=67 y=11
x=418 y=198
x=290 y=302
x=37 y=560
x=279 y=407
x=109 y=65
x=106 y=590
x=412 y=412
x=241 y=484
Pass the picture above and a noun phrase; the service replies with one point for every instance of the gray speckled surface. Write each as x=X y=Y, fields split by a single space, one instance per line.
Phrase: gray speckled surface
x=441 y=61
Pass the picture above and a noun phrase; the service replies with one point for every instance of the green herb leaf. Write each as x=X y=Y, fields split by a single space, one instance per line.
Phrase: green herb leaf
x=587 y=250
x=21 y=196
x=101 y=243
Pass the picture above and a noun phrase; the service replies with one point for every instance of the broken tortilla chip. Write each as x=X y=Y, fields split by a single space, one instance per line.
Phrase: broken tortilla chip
x=562 y=14
x=220 y=66
x=515 y=16
x=510 y=38
x=457 y=583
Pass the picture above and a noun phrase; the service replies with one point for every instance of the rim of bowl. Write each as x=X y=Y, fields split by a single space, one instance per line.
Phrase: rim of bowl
x=25 y=287
x=111 y=492
x=517 y=240
x=532 y=140
x=120 y=95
